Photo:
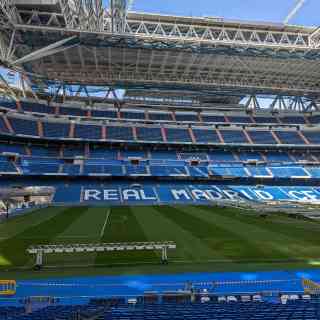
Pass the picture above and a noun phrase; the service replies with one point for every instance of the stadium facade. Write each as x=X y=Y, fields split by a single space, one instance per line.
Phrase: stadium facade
x=180 y=132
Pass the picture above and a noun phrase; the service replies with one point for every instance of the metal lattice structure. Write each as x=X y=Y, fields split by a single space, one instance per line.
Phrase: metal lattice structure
x=81 y=42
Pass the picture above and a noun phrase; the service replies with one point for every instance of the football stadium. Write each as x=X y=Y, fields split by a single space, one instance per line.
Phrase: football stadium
x=157 y=166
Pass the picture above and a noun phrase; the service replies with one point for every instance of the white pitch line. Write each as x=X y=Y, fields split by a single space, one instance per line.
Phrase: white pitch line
x=105 y=223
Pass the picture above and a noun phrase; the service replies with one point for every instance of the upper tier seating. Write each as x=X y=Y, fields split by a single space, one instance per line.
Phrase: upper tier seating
x=160 y=116
x=292 y=120
x=206 y=135
x=312 y=136
x=56 y=130
x=149 y=134
x=213 y=118
x=221 y=156
x=132 y=115
x=73 y=112
x=38 y=107
x=265 y=119
x=186 y=117
x=233 y=136
x=239 y=119
x=89 y=132
x=104 y=114
x=261 y=137
x=24 y=127
x=119 y=133
x=8 y=103
x=178 y=135
x=289 y=137
x=97 y=151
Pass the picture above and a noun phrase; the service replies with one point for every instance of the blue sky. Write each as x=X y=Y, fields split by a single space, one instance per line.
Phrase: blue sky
x=258 y=10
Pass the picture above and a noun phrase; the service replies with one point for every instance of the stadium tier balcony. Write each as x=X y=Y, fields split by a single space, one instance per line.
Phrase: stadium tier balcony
x=185 y=117
x=245 y=156
x=136 y=170
x=168 y=171
x=206 y=135
x=149 y=134
x=199 y=171
x=288 y=172
x=102 y=169
x=125 y=154
x=13 y=148
x=73 y=151
x=71 y=169
x=170 y=155
x=289 y=137
x=131 y=115
x=314 y=119
x=233 y=136
x=104 y=114
x=193 y=156
x=8 y=103
x=213 y=118
x=178 y=135
x=265 y=119
x=96 y=151
x=37 y=107
x=77 y=112
x=239 y=171
x=239 y=119
x=221 y=156
x=24 y=126
x=119 y=133
x=259 y=171
x=88 y=132
x=40 y=166
x=292 y=120
x=312 y=136
x=261 y=137
x=277 y=156
x=56 y=130
x=160 y=116
x=44 y=151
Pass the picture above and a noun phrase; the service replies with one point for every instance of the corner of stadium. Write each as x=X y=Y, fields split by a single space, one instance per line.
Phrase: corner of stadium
x=157 y=166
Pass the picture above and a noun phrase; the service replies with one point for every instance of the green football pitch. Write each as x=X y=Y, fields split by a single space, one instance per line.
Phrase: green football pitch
x=207 y=238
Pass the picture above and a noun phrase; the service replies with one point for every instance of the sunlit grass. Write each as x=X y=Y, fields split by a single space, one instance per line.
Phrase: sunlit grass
x=4 y=262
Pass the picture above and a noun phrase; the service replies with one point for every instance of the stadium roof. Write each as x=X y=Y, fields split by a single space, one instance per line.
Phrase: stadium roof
x=83 y=43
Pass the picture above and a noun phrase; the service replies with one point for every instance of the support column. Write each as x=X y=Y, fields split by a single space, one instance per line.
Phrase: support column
x=247 y=136
x=8 y=124
x=193 y=138
x=134 y=133
x=220 y=136
x=306 y=141
x=71 y=132
x=275 y=137
x=164 y=255
x=173 y=115
x=164 y=134
x=40 y=128
x=104 y=133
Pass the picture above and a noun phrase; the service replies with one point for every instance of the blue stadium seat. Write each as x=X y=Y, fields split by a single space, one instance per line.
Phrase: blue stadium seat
x=132 y=115
x=44 y=151
x=72 y=111
x=265 y=119
x=56 y=129
x=239 y=119
x=73 y=151
x=172 y=155
x=186 y=117
x=221 y=156
x=289 y=137
x=288 y=172
x=233 y=136
x=104 y=152
x=168 y=171
x=206 y=135
x=133 y=154
x=8 y=103
x=193 y=156
x=3 y=127
x=102 y=169
x=293 y=120
x=160 y=116
x=71 y=169
x=259 y=171
x=277 y=156
x=24 y=126
x=37 y=107
x=13 y=148
x=149 y=134
x=312 y=136
x=132 y=170
x=120 y=133
x=104 y=114
x=245 y=156
x=213 y=118
x=261 y=137
x=178 y=135
x=88 y=132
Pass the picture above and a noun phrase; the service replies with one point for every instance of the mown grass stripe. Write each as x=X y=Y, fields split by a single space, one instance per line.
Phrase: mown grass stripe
x=157 y=227
x=14 y=249
x=227 y=244
x=124 y=227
